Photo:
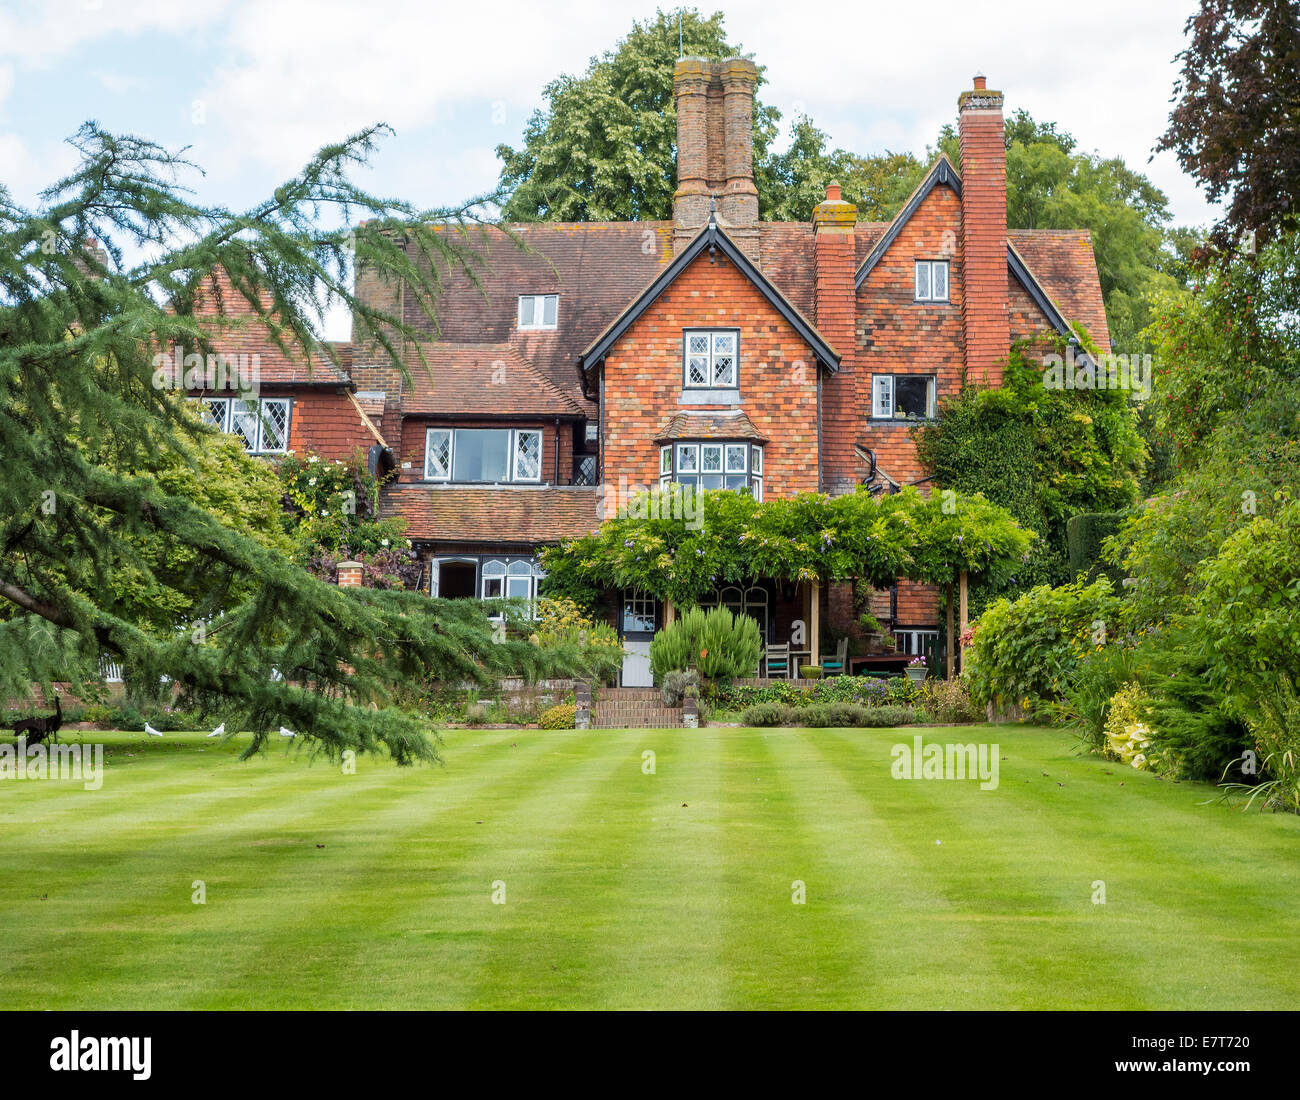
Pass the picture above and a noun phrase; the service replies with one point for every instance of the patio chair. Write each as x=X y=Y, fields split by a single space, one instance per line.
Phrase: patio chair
x=777 y=661
x=834 y=666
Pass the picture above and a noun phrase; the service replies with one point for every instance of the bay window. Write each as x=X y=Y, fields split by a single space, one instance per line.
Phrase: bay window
x=735 y=465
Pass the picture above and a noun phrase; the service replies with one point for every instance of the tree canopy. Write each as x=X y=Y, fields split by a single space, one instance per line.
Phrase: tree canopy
x=1235 y=126
x=130 y=530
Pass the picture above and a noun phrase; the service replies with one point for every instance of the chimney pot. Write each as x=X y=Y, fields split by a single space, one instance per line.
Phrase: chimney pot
x=979 y=82
x=833 y=191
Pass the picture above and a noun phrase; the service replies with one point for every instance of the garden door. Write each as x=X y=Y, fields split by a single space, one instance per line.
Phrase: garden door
x=637 y=625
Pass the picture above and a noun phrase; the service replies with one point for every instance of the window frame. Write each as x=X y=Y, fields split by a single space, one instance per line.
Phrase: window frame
x=932 y=398
x=513 y=436
x=711 y=383
x=929 y=297
x=534 y=325
x=256 y=446
x=670 y=469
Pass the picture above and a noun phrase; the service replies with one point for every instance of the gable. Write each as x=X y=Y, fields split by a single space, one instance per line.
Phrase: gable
x=710 y=242
x=941 y=174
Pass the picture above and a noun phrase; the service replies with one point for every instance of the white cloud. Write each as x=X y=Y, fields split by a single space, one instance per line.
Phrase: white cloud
x=288 y=75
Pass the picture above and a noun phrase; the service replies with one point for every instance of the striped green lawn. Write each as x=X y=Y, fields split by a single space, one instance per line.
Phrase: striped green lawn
x=629 y=890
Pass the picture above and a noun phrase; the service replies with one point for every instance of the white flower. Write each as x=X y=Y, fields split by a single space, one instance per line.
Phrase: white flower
x=324 y=512
x=311 y=481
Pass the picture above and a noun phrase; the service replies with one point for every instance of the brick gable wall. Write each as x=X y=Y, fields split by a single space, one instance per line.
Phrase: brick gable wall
x=778 y=379
x=897 y=335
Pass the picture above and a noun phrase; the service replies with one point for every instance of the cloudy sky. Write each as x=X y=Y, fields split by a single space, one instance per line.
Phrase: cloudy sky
x=255 y=86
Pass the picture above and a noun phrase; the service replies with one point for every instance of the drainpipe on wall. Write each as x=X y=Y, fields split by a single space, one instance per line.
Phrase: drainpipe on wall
x=557 y=451
x=819 y=430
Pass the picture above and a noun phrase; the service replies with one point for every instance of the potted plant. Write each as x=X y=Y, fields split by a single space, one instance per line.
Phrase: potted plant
x=871 y=630
x=916 y=669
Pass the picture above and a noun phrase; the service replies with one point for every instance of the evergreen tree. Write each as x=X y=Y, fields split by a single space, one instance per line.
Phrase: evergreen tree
x=114 y=540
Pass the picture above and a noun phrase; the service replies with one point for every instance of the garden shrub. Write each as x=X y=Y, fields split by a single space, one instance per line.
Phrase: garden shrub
x=675 y=686
x=850 y=715
x=562 y=716
x=890 y=715
x=867 y=691
x=764 y=714
x=822 y=715
x=949 y=701
x=719 y=644
x=562 y=624
x=1024 y=651
x=1085 y=534
x=1277 y=732
x=1128 y=734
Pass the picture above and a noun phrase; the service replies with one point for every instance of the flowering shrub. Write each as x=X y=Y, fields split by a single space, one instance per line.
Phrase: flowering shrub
x=1128 y=735
x=332 y=513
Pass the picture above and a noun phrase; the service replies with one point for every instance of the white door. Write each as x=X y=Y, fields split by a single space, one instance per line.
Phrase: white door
x=636 y=664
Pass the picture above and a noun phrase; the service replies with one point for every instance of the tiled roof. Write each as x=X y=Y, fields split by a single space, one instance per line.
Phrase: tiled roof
x=485 y=514
x=598 y=268
x=711 y=425
x=235 y=328
x=484 y=379
x=714 y=237
x=1062 y=261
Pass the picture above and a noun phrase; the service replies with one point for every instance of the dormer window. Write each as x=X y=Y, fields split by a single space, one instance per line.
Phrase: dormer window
x=931 y=280
x=538 y=311
x=711 y=359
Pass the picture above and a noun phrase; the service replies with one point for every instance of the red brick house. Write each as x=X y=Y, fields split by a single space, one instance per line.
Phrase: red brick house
x=274 y=403
x=715 y=349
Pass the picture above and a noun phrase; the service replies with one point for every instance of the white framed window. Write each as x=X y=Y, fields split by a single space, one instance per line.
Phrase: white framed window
x=483 y=455
x=538 y=310
x=528 y=456
x=511 y=579
x=902 y=396
x=931 y=280
x=710 y=359
x=638 y=612
x=262 y=426
x=437 y=454
x=713 y=466
x=494 y=579
x=274 y=425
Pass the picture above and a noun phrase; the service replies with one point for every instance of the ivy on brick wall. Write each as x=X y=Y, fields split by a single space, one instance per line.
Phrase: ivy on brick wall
x=1044 y=454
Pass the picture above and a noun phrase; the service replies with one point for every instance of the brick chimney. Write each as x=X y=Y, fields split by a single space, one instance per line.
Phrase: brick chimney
x=833 y=251
x=715 y=149
x=984 y=233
